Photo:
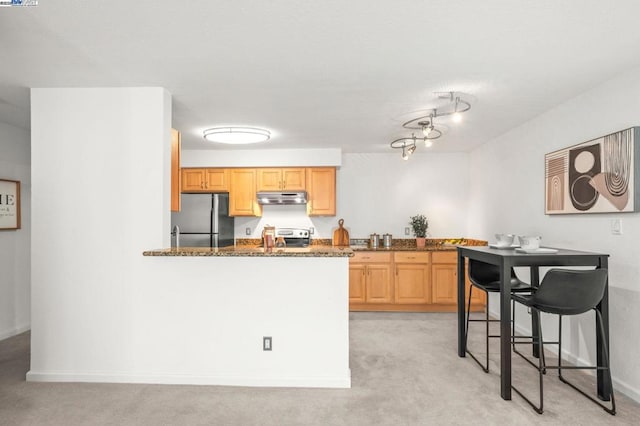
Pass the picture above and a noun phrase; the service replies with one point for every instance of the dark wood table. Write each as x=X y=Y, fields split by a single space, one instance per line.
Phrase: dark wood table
x=505 y=259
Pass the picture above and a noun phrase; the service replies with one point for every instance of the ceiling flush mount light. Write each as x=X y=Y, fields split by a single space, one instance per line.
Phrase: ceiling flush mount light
x=426 y=124
x=237 y=135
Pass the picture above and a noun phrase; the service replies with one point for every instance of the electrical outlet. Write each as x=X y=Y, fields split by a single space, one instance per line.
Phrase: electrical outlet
x=407 y=231
x=247 y=231
x=312 y=231
x=266 y=343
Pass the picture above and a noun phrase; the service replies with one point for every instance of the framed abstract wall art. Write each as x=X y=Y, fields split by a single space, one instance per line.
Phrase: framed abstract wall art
x=9 y=204
x=598 y=176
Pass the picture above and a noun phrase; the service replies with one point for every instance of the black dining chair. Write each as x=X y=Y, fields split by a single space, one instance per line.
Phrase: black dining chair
x=568 y=292
x=486 y=277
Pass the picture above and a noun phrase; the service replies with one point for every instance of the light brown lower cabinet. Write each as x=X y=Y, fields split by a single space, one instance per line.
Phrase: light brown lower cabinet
x=422 y=281
x=413 y=281
x=370 y=278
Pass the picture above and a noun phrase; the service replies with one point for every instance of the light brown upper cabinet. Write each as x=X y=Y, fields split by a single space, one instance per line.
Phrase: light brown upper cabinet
x=175 y=170
x=279 y=179
x=205 y=180
x=242 y=193
x=321 y=191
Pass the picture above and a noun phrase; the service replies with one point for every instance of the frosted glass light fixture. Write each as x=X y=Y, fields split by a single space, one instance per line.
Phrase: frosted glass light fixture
x=237 y=135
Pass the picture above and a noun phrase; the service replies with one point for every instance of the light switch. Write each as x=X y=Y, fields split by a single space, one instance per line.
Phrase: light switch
x=616 y=227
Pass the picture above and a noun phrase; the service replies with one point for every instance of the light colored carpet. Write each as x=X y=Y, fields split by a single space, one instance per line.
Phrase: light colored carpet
x=405 y=371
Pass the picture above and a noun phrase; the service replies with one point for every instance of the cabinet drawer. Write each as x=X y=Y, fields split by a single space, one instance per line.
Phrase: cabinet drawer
x=444 y=257
x=411 y=257
x=369 y=257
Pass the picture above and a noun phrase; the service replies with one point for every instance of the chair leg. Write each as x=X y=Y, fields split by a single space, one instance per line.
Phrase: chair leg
x=541 y=369
x=607 y=366
x=466 y=326
x=485 y=368
x=533 y=341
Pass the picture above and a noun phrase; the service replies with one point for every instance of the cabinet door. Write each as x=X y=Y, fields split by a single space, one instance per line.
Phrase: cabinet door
x=445 y=283
x=193 y=180
x=379 y=287
x=216 y=180
x=242 y=193
x=293 y=179
x=357 y=282
x=321 y=189
x=412 y=283
x=269 y=179
x=176 y=188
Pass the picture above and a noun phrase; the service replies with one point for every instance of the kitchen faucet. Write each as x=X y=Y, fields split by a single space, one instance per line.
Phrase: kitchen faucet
x=176 y=232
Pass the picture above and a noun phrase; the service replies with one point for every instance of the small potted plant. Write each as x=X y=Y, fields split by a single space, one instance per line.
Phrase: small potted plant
x=419 y=224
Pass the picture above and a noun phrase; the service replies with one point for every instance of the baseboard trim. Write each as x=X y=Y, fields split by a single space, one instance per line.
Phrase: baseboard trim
x=14 y=332
x=292 y=381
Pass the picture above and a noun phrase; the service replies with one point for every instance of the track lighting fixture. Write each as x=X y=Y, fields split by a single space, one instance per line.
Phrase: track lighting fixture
x=426 y=124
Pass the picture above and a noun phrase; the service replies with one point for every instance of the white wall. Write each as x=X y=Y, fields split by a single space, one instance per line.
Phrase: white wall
x=15 y=245
x=379 y=192
x=507 y=195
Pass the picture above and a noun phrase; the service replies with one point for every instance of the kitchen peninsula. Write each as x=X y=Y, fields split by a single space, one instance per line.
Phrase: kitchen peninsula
x=219 y=304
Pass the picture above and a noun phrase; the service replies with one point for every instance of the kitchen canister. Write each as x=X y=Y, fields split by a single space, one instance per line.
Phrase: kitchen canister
x=386 y=240
x=374 y=240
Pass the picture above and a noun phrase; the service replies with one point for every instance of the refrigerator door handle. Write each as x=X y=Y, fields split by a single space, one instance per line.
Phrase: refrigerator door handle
x=215 y=213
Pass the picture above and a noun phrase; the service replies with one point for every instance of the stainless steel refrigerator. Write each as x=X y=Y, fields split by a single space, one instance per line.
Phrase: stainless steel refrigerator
x=204 y=221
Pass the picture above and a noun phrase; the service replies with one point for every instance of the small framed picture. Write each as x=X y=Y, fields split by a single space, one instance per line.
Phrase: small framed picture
x=9 y=204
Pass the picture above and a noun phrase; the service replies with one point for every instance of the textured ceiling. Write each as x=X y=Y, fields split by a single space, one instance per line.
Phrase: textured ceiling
x=323 y=73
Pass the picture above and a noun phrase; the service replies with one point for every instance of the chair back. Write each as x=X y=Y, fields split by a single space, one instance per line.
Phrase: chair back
x=483 y=273
x=570 y=292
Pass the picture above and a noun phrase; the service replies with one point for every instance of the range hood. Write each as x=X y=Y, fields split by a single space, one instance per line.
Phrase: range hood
x=281 y=198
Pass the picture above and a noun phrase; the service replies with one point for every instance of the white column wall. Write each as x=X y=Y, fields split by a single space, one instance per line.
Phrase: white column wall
x=100 y=160
x=103 y=312
x=15 y=164
x=507 y=196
